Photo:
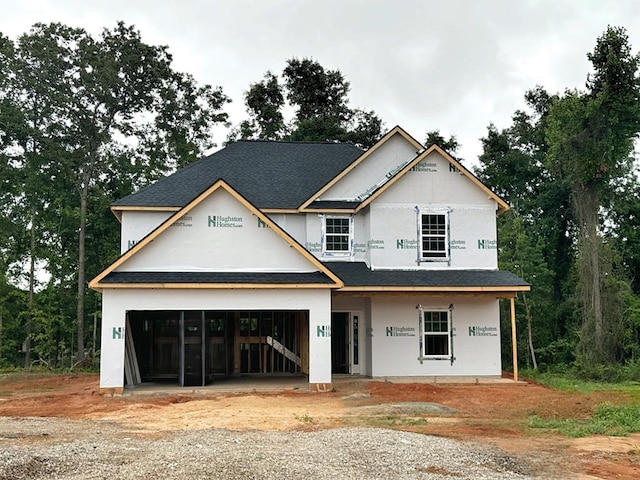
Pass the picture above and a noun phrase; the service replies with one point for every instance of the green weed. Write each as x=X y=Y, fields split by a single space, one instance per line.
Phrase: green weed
x=305 y=418
x=607 y=419
x=572 y=383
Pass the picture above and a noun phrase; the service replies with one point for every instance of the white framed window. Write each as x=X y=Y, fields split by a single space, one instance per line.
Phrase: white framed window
x=337 y=235
x=434 y=236
x=437 y=334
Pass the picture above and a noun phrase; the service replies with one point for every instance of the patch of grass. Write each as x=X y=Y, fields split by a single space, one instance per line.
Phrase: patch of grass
x=570 y=383
x=607 y=419
x=304 y=418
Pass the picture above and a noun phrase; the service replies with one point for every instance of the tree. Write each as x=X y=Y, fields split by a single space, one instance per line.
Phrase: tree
x=536 y=235
x=434 y=137
x=319 y=99
x=592 y=135
x=110 y=105
x=264 y=101
x=565 y=167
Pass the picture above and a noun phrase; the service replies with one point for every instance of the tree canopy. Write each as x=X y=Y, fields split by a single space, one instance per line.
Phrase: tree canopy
x=319 y=99
x=566 y=165
x=84 y=120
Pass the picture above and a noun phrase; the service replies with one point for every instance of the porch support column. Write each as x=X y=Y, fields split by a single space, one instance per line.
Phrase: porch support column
x=112 y=346
x=320 y=349
x=514 y=342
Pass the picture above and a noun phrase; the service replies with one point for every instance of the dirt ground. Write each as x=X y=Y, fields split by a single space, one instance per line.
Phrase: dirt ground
x=494 y=414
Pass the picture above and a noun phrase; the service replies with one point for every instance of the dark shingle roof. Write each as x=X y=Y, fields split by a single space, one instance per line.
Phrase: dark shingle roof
x=333 y=204
x=268 y=174
x=217 y=277
x=357 y=274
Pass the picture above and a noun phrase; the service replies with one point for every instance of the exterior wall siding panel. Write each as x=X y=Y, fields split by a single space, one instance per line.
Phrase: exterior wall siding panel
x=476 y=339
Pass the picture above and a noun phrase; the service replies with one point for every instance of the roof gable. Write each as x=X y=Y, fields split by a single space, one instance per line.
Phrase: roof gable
x=353 y=183
x=230 y=235
x=501 y=204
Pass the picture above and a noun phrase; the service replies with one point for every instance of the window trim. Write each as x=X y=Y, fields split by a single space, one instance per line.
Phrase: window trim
x=337 y=253
x=422 y=257
x=448 y=334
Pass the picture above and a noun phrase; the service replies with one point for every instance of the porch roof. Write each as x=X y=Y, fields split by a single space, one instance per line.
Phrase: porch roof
x=358 y=276
x=216 y=278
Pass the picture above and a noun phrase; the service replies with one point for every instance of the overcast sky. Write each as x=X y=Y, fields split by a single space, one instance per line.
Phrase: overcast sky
x=453 y=65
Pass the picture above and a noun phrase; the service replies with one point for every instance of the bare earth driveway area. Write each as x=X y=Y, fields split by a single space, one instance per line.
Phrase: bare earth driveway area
x=59 y=426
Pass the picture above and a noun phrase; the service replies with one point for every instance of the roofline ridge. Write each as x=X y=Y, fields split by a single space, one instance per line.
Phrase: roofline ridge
x=299 y=142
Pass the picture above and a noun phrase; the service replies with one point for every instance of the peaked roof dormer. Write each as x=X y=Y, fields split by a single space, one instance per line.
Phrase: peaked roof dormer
x=502 y=206
x=386 y=162
x=319 y=199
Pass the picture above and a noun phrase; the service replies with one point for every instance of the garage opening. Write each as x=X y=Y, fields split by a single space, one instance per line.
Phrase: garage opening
x=194 y=347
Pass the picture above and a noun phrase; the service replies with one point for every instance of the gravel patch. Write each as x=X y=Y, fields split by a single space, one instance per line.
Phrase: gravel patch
x=407 y=408
x=51 y=448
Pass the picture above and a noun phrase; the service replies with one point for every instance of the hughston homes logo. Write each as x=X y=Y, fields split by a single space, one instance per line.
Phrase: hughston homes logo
x=400 y=331
x=219 y=221
x=483 y=331
x=406 y=244
x=323 y=331
x=487 y=244
x=184 y=221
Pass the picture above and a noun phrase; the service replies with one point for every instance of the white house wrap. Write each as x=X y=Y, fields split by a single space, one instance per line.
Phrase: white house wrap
x=307 y=259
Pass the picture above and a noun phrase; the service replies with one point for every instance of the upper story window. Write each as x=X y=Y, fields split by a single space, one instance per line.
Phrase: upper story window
x=338 y=235
x=434 y=236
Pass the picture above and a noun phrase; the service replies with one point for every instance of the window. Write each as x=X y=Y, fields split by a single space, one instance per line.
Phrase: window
x=434 y=241
x=437 y=338
x=337 y=235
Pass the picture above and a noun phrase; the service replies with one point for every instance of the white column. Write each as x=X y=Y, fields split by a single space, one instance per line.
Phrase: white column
x=320 y=347
x=112 y=345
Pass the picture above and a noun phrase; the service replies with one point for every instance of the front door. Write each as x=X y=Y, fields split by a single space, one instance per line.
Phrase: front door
x=345 y=342
x=340 y=342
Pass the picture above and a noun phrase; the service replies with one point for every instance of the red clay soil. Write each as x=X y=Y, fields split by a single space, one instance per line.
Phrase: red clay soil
x=491 y=414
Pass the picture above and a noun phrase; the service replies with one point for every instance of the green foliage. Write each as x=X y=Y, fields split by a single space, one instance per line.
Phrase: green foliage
x=607 y=419
x=451 y=146
x=264 y=101
x=389 y=421
x=83 y=121
x=622 y=379
x=591 y=138
x=304 y=418
x=315 y=91
x=12 y=303
x=319 y=98
x=557 y=355
x=564 y=165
